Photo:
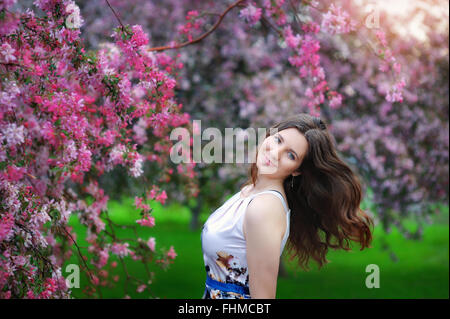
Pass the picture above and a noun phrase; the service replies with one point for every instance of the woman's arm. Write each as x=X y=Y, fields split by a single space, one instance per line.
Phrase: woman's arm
x=264 y=226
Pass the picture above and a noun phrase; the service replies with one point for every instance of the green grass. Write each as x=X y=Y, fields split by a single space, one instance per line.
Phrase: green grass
x=421 y=270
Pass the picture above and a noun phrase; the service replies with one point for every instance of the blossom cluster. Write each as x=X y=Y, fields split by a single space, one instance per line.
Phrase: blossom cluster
x=68 y=115
x=336 y=21
x=389 y=63
x=194 y=23
x=251 y=14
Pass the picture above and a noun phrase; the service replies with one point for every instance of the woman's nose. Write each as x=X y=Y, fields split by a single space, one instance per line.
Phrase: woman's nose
x=273 y=151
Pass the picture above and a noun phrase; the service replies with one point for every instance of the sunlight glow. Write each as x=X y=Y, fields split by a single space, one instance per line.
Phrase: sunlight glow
x=409 y=23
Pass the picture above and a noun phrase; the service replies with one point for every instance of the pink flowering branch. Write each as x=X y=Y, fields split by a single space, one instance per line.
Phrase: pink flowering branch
x=200 y=38
x=116 y=15
x=57 y=86
x=78 y=250
x=128 y=276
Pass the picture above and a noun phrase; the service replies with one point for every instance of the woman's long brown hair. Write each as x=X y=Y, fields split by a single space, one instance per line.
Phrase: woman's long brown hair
x=325 y=200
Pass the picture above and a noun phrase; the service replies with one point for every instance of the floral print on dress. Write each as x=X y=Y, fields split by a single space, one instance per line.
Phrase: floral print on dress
x=235 y=274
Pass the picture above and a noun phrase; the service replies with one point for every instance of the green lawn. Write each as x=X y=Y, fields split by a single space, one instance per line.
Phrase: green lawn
x=421 y=270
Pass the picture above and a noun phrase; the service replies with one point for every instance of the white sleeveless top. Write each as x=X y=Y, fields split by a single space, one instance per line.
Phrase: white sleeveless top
x=223 y=242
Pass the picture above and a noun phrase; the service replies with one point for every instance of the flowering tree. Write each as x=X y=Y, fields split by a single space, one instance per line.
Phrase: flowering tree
x=67 y=115
x=236 y=74
x=242 y=69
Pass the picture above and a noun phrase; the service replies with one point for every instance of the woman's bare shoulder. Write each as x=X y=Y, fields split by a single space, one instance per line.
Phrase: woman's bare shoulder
x=265 y=202
x=265 y=209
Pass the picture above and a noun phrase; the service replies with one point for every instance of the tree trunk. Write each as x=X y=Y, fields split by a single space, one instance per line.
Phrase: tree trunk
x=195 y=214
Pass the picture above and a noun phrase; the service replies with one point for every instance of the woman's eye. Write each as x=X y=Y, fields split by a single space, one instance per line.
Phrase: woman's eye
x=278 y=140
x=292 y=156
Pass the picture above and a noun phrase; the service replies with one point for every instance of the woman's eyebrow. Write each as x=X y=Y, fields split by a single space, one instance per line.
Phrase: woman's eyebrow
x=282 y=139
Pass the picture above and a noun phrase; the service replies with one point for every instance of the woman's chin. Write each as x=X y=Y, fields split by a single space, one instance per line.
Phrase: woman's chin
x=266 y=169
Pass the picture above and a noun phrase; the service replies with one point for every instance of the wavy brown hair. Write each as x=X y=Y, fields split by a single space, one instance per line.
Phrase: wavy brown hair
x=325 y=199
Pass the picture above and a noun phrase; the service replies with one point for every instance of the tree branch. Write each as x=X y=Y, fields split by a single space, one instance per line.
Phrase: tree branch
x=117 y=16
x=200 y=38
x=79 y=251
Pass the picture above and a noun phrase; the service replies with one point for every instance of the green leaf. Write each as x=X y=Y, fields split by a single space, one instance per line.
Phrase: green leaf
x=66 y=132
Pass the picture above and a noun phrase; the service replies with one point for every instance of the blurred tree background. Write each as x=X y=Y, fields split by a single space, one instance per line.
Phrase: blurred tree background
x=240 y=77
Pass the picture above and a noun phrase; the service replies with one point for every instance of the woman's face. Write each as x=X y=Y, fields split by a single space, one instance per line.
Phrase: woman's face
x=281 y=153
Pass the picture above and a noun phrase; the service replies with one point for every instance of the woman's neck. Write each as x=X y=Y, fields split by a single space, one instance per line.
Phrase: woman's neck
x=263 y=184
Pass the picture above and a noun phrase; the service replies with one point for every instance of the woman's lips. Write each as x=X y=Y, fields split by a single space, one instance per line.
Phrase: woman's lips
x=267 y=161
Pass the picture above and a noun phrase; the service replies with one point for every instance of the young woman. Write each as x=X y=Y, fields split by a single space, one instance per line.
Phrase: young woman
x=300 y=193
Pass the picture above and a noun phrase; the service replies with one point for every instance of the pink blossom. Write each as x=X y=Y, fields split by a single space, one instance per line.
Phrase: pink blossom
x=136 y=169
x=193 y=23
x=95 y=280
x=120 y=249
x=291 y=40
x=84 y=158
x=6 y=226
x=335 y=100
x=5 y=4
x=20 y=260
x=7 y=52
x=171 y=253
x=141 y=288
x=14 y=134
x=139 y=37
x=14 y=173
x=148 y=221
x=70 y=153
x=275 y=11
x=384 y=66
x=103 y=258
x=116 y=154
x=336 y=21
x=152 y=193
x=395 y=93
x=138 y=202
x=381 y=36
x=397 y=67
x=151 y=243
x=251 y=14
x=191 y=14
x=162 y=197
x=50 y=287
x=311 y=27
